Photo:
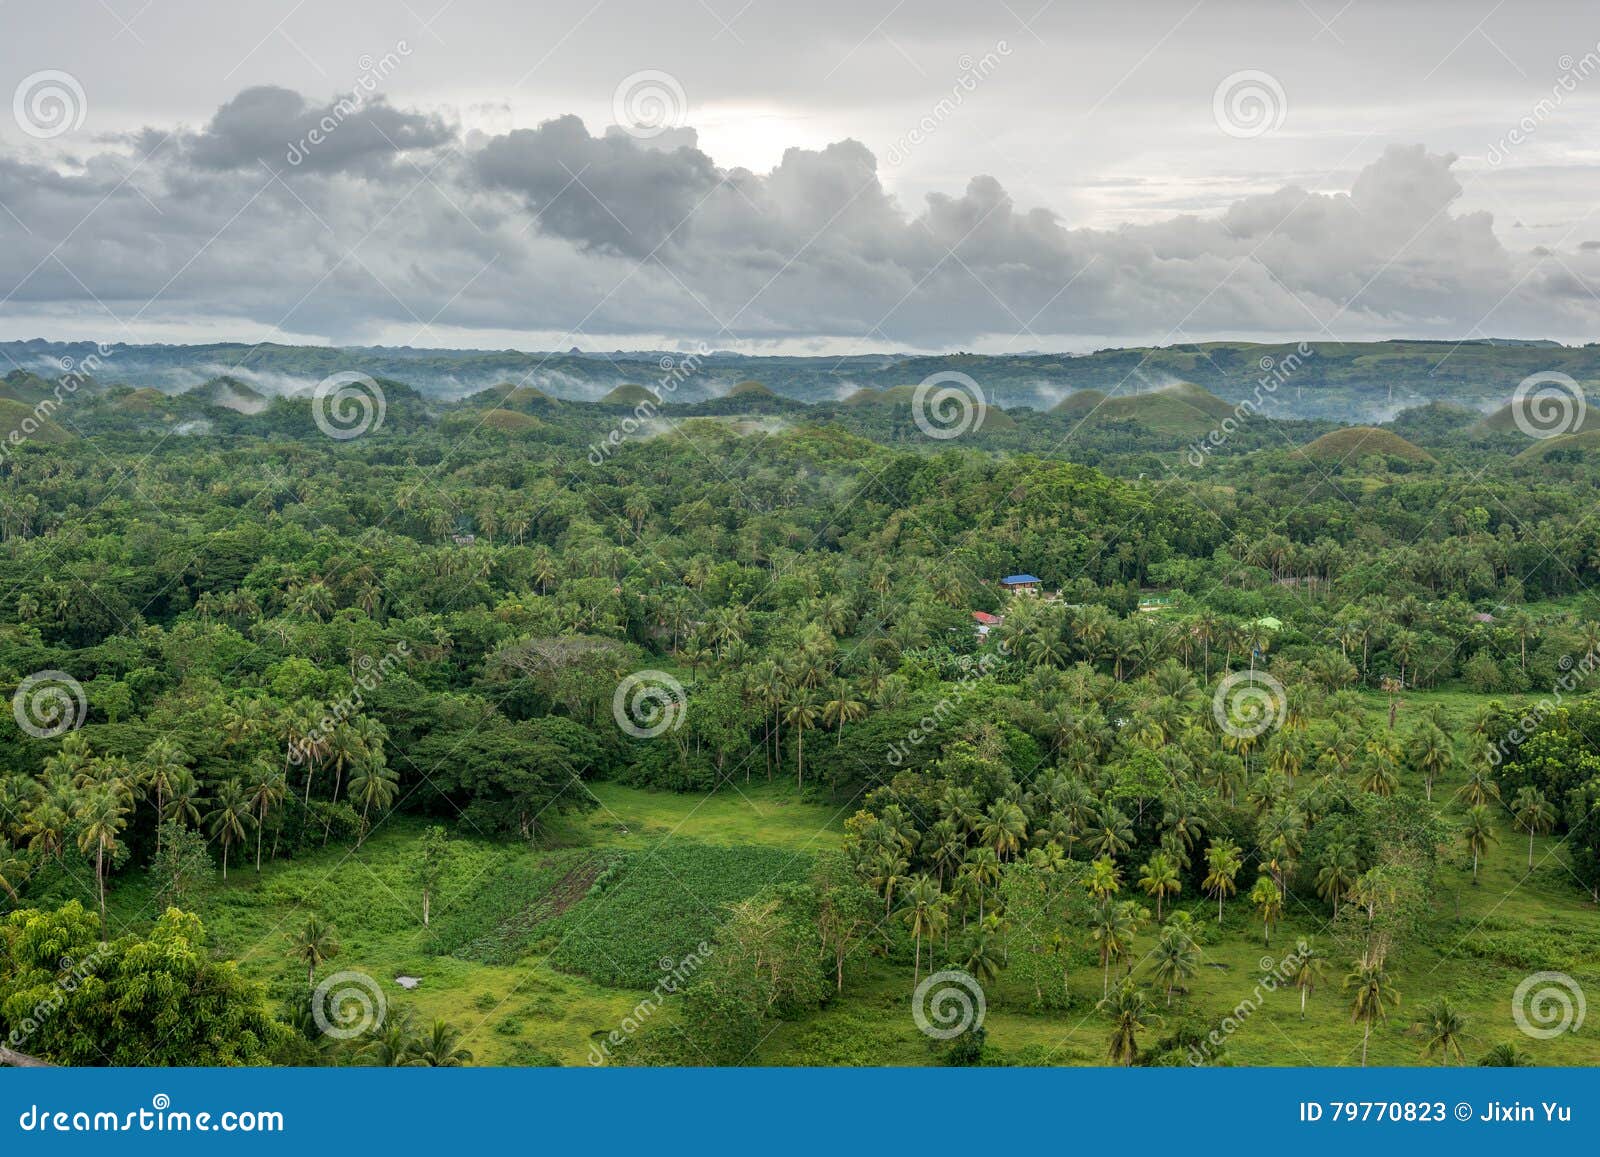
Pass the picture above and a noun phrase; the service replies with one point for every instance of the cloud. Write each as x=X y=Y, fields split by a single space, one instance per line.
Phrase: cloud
x=394 y=223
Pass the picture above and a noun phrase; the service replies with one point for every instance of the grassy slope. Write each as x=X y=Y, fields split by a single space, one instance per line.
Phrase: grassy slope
x=526 y=1011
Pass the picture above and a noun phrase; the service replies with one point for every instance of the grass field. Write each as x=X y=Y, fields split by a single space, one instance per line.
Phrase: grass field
x=519 y=979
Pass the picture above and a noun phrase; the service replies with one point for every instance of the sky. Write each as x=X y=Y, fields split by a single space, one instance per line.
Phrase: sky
x=779 y=178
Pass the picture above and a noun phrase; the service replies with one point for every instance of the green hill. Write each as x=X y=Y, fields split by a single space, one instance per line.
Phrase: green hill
x=1584 y=442
x=628 y=394
x=1504 y=420
x=1182 y=410
x=1357 y=442
x=230 y=394
x=750 y=389
x=511 y=422
x=13 y=415
x=509 y=396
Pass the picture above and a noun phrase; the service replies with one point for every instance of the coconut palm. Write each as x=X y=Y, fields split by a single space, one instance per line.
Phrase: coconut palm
x=313 y=945
x=1478 y=831
x=373 y=783
x=1175 y=958
x=1004 y=827
x=1505 y=1056
x=1223 y=860
x=1129 y=1010
x=230 y=816
x=1372 y=993
x=1337 y=874
x=101 y=814
x=440 y=1048
x=1443 y=1027
x=1309 y=968
x=1104 y=878
x=269 y=787
x=922 y=915
x=1268 y=899
x=1159 y=878
x=1533 y=814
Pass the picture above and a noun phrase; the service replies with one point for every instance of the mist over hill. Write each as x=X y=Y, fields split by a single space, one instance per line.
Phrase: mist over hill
x=1337 y=381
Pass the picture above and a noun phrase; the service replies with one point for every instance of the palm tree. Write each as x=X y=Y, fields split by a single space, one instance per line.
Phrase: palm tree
x=1160 y=879
x=440 y=1048
x=1432 y=754
x=1505 y=1056
x=842 y=706
x=1176 y=958
x=1533 y=814
x=1223 y=860
x=801 y=710
x=230 y=815
x=1337 y=874
x=1372 y=993
x=1130 y=1014
x=1310 y=966
x=1112 y=834
x=921 y=915
x=1443 y=1027
x=13 y=869
x=1104 y=878
x=1113 y=927
x=101 y=815
x=1479 y=834
x=1004 y=827
x=160 y=768
x=314 y=945
x=269 y=787
x=373 y=782
x=1268 y=899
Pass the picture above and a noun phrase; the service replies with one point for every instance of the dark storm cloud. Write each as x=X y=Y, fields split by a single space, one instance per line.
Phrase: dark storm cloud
x=556 y=229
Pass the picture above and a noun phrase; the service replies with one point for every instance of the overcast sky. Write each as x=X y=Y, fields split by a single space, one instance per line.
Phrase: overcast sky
x=781 y=177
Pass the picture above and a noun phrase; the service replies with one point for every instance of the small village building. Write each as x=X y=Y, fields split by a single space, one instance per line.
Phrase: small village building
x=1021 y=584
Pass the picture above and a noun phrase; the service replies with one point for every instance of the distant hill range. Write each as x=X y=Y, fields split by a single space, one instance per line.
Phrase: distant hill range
x=1359 y=382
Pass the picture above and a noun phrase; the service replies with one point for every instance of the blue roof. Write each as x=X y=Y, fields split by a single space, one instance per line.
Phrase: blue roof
x=1020 y=578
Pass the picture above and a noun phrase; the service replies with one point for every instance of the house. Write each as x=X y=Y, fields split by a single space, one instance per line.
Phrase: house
x=1021 y=584
x=463 y=539
x=986 y=622
x=1482 y=617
